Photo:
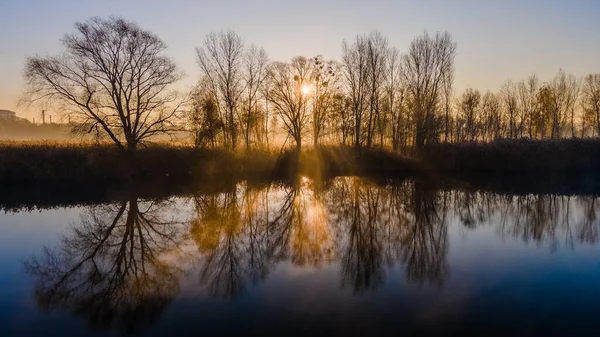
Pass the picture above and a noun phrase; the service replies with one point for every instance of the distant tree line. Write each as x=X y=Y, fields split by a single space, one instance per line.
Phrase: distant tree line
x=114 y=77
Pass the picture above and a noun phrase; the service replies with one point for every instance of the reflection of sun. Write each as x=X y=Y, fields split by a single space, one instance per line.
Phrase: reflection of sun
x=305 y=89
x=305 y=180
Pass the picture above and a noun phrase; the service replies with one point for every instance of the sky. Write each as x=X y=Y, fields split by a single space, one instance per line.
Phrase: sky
x=497 y=40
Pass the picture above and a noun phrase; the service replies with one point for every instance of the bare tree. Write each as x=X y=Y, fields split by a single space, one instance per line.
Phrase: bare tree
x=469 y=108
x=527 y=91
x=395 y=94
x=220 y=61
x=113 y=76
x=287 y=82
x=205 y=124
x=426 y=66
x=563 y=93
x=377 y=52
x=491 y=108
x=591 y=99
x=354 y=61
x=342 y=117
x=572 y=92
x=448 y=93
x=508 y=93
x=325 y=78
x=255 y=73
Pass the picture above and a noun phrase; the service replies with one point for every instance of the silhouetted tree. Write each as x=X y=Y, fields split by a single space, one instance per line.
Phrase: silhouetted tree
x=508 y=94
x=354 y=61
x=204 y=118
x=286 y=93
x=469 y=109
x=427 y=67
x=113 y=76
x=395 y=95
x=492 y=114
x=591 y=100
x=527 y=91
x=255 y=74
x=220 y=60
x=563 y=96
x=325 y=77
x=377 y=53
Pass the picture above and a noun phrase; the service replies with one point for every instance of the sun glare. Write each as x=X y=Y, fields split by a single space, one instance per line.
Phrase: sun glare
x=305 y=89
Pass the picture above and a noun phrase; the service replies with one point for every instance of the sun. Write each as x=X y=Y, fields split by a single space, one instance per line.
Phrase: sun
x=305 y=89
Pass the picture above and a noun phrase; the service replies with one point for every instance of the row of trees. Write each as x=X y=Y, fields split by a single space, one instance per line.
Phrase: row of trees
x=376 y=96
x=373 y=96
x=114 y=78
x=562 y=107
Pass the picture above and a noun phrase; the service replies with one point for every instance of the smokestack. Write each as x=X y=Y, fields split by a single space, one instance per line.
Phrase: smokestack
x=43 y=116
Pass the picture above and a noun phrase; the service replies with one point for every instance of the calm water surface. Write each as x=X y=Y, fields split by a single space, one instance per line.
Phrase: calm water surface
x=344 y=257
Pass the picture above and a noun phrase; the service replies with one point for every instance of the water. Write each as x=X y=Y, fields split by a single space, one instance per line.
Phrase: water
x=349 y=256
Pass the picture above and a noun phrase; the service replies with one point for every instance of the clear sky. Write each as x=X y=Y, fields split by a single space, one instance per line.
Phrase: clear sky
x=497 y=40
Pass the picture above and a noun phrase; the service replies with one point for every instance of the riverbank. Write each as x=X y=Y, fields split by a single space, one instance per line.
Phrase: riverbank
x=87 y=163
x=90 y=164
x=515 y=155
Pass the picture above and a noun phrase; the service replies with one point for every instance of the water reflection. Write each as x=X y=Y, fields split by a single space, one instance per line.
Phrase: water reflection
x=379 y=227
x=241 y=234
x=542 y=219
x=111 y=268
x=121 y=265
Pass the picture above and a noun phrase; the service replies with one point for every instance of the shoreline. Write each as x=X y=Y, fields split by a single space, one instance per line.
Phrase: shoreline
x=504 y=165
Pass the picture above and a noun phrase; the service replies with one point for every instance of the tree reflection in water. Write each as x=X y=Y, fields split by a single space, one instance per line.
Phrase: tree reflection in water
x=109 y=268
x=369 y=228
x=242 y=233
x=120 y=264
x=543 y=219
x=382 y=226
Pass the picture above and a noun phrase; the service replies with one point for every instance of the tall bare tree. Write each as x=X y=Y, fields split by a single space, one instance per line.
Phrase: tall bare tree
x=255 y=73
x=395 y=95
x=509 y=96
x=204 y=120
x=563 y=94
x=220 y=60
x=572 y=93
x=325 y=83
x=286 y=94
x=426 y=68
x=469 y=109
x=377 y=52
x=591 y=99
x=354 y=61
x=111 y=76
x=527 y=91
x=492 y=112
x=448 y=93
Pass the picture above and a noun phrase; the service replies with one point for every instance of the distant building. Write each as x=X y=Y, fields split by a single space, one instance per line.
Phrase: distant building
x=7 y=115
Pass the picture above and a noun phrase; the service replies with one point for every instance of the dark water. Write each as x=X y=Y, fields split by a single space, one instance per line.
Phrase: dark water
x=344 y=257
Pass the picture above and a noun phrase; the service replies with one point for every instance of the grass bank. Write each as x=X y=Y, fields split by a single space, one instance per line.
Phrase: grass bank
x=97 y=164
x=515 y=155
x=88 y=163
x=34 y=174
